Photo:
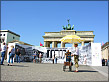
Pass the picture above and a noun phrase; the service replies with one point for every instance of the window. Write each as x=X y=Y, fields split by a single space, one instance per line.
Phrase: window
x=3 y=34
x=13 y=37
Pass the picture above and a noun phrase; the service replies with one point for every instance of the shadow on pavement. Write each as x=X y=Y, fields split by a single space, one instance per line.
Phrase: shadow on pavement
x=20 y=66
x=83 y=71
x=17 y=65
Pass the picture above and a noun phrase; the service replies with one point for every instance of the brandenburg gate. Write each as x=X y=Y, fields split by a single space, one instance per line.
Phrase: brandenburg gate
x=54 y=37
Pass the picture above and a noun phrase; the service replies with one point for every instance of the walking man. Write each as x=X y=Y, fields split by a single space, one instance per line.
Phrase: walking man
x=3 y=51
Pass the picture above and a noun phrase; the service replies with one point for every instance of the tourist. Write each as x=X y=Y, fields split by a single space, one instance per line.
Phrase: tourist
x=34 y=57
x=40 y=56
x=37 y=56
x=68 y=56
x=11 y=55
x=103 y=62
x=76 y=56
x=56 y=59
x=53 y=58
x=3 y=51
x=17 y=54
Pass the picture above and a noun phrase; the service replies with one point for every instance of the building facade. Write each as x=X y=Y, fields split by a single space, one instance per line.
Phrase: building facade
x=105 y=51
x=8 y=36
x=54 y=37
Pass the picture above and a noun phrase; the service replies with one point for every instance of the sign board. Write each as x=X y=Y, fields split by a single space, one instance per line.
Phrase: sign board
x=96 y=54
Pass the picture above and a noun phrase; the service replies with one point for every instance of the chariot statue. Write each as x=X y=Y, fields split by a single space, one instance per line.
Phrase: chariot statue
x=69 y=26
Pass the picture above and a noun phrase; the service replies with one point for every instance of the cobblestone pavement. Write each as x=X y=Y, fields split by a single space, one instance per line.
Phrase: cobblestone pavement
x=48 y=72
x=102 y=69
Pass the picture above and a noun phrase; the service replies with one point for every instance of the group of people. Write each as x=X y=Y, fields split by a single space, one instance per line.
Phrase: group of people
x=37 y=55
x=17 y=54
x=12 y=53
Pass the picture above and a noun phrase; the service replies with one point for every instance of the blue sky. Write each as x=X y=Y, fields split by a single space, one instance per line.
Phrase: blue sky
x=30 y=19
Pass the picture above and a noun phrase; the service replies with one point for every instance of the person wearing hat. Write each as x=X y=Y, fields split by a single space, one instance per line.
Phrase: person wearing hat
x=76 y=56
x=11 y=55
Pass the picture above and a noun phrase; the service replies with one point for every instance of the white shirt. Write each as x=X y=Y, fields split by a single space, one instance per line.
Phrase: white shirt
x=76 y=51
x=3 y=47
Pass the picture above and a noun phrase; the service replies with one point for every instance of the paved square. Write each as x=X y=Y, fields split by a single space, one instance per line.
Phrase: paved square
x=48 y=72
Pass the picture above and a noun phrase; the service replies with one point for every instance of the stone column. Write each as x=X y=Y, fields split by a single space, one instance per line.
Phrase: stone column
x=73 y=45
x=53 y=44
x=48 y=44
x=61 y=44
x=82 y=43
x=56 y=44
x=64 y=45
x=45 y=44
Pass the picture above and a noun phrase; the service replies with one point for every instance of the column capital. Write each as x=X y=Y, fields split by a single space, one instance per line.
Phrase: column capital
x=53 y=44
